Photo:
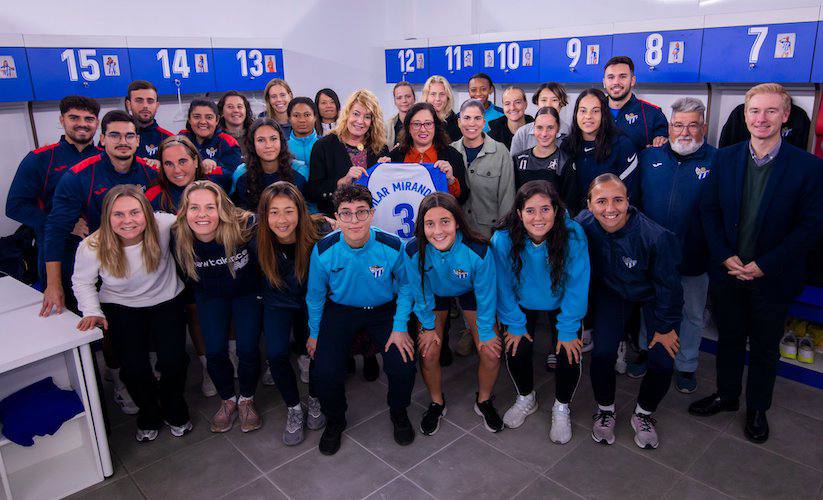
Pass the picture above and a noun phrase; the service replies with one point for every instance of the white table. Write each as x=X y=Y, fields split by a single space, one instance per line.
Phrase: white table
x=77 y=455
x=14 y=295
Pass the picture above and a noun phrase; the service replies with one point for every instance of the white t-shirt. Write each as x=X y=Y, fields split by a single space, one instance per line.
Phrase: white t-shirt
x=138 y=288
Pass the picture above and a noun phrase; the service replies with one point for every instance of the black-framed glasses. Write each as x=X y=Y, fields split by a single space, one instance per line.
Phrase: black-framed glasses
x=349 y=216
x=693 y=127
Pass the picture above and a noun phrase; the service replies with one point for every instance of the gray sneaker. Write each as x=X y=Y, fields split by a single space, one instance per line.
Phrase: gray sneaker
x=144 y=436
x=315 y=420
x=293 y=435
x=603 y=428
x=645 y=436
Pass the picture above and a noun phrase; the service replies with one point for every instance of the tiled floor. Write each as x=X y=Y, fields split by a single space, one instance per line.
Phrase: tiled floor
x=697 y=458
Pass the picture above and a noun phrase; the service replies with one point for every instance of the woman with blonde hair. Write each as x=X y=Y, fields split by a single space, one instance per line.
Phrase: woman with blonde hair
x=213 y=246
x=357 y=142
x=277 y=96
x=438 y=93
x=138 y=305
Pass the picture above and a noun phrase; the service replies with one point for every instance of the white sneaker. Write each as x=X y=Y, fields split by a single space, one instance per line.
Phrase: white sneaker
x=124 y=401
x=145 y=436
x=267 y=378
x=180 y=430
x=561 y=431
x=303 y=363
x=207 y=386
x=620 y=365
x=586 y=338
x=805 y=350
x=523 y=407
x=788 y=345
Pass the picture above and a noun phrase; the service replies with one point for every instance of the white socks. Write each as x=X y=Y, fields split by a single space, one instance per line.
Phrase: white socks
x=606 y=408
x=641 y=411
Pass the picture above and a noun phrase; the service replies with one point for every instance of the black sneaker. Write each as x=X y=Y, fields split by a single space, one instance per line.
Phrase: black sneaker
x=371 y=370
x=403 y=430
x=330 y=440
x=491 y=419
x=431 y=419
x=446 y=356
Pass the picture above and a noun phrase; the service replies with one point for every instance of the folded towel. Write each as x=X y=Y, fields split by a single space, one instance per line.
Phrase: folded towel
x=37 y=410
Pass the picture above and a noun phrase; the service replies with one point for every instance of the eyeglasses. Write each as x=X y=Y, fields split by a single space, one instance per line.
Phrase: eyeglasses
x=693 y=127
x=348 y=216
x=117 y=136
x=419 y=125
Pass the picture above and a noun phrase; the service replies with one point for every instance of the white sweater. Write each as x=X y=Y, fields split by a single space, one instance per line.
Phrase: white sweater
x=138 y=288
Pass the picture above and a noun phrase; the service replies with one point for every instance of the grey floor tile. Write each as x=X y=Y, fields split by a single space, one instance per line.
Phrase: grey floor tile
x=135 y=456
x=258 y=489
x=798 y=397
x=621 y=474
x=377 y=435
x=542 y=488
x=121 y=489
x=742 y=469
x=470 y=468
x=265 y=448
x=352 y=473
x=679 y=403
x=683 y=438
x=791 y=435
x=400 y=488
x=119 y=473
x=208 y=469
x=689 y=489
x=364 y=399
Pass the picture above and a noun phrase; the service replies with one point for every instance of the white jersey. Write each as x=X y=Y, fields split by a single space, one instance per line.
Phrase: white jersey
x=397 y=190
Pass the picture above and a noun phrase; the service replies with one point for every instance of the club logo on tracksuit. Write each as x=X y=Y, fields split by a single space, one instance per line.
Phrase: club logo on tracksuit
x=629 y=262
x=151 y=149
x=376 y=271
x=701 y=172
x=630 y=118
x=657 y=164
x=461 y=274
x=211 y=152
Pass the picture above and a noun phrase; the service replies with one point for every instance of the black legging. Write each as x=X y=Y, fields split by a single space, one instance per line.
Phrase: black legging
x=567 y=375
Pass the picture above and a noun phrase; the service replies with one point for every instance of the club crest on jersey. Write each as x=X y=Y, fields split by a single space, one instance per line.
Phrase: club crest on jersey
x=657 y=164
x=376 y=271
x=461 y=274
x=151 y=149
x=629 y=262
x=630 y=118
x=211 y=152
x=701 y=172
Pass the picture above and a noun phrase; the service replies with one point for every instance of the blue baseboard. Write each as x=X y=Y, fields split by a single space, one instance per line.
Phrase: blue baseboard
x=787 y=370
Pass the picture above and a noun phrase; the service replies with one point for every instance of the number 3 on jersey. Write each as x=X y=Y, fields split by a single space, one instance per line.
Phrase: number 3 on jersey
x=406 y=214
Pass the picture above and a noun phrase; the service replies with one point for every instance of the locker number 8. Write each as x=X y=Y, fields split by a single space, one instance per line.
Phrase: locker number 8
x=654 y=49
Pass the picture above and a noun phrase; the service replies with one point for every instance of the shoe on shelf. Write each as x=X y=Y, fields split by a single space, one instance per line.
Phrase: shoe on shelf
x=465 y=343
x=645 y=435
x=805 y=350
x=588 y=342
x=122 y=398
x=551 y=362
x=620 y=363
x=144 y=436
x=223 y=420
x=250 y=419
x=446 y=356
x=637 y=368
x=315 y=420
x=523 y=407
x=712 y=405
x=303 y=364
x=788 y=346
x=207 y=386
x=330 y=440
x=267 y=379
x=757 y=426
x=685 y=382
x=294 y=434
x=430 y=423
x=371 y=369
x=603 y=428
x=180 y=430
x=561 y=431
x=403 y=430
x=491 y=419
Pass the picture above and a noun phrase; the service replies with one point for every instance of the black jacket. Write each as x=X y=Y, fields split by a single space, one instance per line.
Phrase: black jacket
x=499 y=130
x=329 y=162
x=452 y=156
x=795 y=130
x=452 y=128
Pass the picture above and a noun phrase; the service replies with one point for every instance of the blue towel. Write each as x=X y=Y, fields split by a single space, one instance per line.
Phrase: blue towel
x=37 y=410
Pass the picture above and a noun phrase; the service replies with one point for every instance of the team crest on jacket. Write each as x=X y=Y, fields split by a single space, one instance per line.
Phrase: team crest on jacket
x=151 y=149
x=630 y=263
x=630 y=118
x=657 y=164
x=211 y=152
x=701 y=172
x=376 y=271
x=461 y=274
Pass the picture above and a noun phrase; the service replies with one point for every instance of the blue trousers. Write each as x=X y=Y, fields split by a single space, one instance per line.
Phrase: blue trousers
x=278 y=323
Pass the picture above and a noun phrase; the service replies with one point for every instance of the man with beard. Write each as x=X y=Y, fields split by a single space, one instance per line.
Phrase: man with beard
x=142 y=103
x=642 y=121
x=672 y=179
x=81 y=192
x=30 y=196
